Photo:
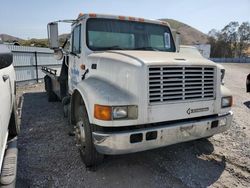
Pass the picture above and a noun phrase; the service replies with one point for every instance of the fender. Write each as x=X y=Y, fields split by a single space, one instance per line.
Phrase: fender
x=225 y=91
x=94 y=90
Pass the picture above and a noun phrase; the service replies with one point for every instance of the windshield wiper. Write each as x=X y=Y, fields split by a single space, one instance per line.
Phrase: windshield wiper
x=147 y=48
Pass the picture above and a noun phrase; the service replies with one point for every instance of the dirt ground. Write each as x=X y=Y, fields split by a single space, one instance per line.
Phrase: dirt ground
x=48 y=157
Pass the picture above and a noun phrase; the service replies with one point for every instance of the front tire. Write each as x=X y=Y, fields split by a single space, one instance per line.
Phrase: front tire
x=84 y=139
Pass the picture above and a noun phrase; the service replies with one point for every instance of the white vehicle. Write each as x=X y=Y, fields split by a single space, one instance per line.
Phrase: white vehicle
x=9 y=126
x=127 y=88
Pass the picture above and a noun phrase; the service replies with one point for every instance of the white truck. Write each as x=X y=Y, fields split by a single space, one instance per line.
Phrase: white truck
x=127 y=88
x=9 y=126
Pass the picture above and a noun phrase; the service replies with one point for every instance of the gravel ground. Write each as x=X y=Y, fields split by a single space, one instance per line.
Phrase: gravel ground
x=48 y=156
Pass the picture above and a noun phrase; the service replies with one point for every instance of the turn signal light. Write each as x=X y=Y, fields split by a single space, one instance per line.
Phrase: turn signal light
x=103 y=112
x=92 y=15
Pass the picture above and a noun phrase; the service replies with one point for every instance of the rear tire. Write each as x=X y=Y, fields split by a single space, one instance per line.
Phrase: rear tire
x=48 y=87
x=90 y=156
x=14 y=125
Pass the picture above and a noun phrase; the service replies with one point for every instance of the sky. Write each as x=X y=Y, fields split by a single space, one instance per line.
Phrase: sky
x=28 y=18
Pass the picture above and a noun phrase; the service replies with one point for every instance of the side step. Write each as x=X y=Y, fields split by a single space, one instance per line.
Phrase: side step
x=9 y=167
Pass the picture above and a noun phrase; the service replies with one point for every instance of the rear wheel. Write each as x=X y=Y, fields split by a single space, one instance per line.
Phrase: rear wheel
x=84 y=138
x=48 y=87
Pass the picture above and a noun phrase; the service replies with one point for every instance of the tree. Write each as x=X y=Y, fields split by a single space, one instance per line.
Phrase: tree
x=219 y=46
x=232 y=41
x=230 y=36
x=244 y=38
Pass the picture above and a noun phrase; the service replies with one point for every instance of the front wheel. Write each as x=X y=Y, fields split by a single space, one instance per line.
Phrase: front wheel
x=84 y=139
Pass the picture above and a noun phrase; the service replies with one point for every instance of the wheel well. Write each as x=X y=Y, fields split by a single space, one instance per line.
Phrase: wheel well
x=11 y=117
x=76 y=100
x=248 y=77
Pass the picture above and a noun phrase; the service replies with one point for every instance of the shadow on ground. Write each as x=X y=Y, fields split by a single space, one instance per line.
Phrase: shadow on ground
x=247 y=104
x=48 y=157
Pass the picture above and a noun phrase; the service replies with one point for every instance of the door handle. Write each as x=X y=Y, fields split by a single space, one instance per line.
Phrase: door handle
x=5 y=77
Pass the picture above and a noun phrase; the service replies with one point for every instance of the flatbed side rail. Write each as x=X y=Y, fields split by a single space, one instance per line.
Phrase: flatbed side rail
x=49 y=70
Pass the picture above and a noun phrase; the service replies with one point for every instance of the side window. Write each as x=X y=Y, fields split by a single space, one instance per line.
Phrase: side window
x=76 y=40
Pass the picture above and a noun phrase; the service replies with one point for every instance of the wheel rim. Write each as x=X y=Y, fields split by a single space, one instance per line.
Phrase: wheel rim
x=80 y=133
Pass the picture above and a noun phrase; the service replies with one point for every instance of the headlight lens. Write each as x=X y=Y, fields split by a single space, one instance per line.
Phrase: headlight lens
x=108 y=113
x=120 y=112
x=226 y=101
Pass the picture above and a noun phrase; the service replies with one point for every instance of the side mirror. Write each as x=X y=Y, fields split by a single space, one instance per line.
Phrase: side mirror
x=6 y=57
x=58 y=54
x=53 y=35
x=177 y=41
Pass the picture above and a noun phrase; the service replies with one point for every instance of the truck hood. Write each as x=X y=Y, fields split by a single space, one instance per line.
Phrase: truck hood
x=153 y=57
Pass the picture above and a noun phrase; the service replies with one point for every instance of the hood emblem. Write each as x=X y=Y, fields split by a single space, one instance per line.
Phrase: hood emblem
x=196 y=110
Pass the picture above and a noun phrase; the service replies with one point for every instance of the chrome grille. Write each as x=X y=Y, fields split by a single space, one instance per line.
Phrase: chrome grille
x=181 y=83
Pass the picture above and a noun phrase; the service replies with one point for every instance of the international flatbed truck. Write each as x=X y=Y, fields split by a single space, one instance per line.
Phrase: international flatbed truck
x=126 y=87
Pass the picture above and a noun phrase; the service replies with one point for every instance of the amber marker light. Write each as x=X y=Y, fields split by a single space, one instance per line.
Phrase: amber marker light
x=131 y=18
x=141 y=19
x=103 y=112
x=80 y=14
x=121 y=17
x=92 y=15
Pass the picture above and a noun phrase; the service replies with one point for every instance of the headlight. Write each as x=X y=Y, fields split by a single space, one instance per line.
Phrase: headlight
x=226 y=101
x=120 y=112
x=222 y=75
x=108 y=113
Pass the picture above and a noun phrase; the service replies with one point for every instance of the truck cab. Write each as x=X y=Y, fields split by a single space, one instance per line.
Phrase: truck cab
x=129 y=89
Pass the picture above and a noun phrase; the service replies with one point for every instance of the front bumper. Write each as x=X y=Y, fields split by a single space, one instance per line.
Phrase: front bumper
x=120 y=142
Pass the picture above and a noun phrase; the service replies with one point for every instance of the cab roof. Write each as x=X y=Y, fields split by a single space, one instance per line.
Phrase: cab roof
x=119 y=17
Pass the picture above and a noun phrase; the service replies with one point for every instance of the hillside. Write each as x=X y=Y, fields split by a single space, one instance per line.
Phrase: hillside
x=9 y=38
x=189 y=35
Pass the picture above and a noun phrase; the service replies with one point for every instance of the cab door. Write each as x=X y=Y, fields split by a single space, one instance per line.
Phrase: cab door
x=75 y=58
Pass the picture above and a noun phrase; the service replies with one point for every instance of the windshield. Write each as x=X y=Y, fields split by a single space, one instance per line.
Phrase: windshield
x=111 y=34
